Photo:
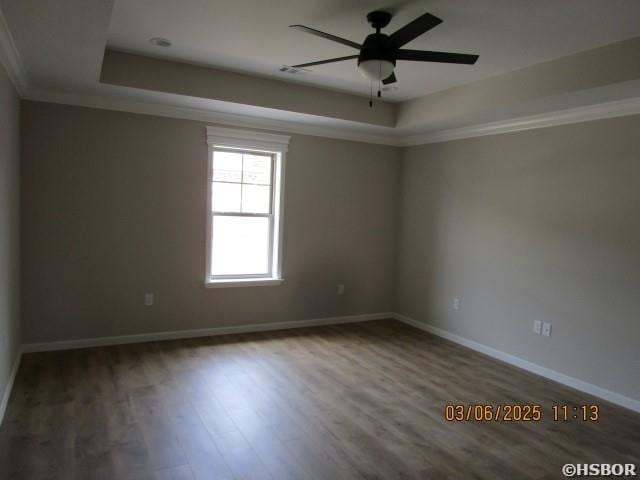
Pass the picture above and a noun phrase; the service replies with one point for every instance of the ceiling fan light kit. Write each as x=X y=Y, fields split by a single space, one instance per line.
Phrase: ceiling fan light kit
x=379 y=52
x=377 y=55
x=376 y=70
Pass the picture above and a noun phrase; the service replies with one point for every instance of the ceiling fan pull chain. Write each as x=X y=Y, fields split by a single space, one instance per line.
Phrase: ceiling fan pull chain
x=371 y=93
x=379 y=75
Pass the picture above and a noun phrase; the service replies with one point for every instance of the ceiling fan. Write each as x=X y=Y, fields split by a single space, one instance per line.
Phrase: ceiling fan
x=379 y=52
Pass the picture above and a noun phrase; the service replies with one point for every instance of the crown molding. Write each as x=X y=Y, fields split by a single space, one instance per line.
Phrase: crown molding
x=599 y=111
x=10 y=58
x=586 y=113
x=339 y=132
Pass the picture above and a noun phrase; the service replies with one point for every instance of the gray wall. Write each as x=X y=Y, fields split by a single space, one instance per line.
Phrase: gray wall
x=536 y=225
x=154 y=74
x=543 y=224
x=114 y=206
x=9 y=229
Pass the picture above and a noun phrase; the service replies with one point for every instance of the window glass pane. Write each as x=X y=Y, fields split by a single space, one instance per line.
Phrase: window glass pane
x=227 y=166
x=226 y=197
x=257 y=169
x=256 y=199
x=240 y=245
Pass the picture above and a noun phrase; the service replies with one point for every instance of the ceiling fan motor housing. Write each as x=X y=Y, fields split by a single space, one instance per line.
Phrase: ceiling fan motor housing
x=378 y=46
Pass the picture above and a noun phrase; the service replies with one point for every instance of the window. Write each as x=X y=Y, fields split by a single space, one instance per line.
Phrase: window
x=244 y=207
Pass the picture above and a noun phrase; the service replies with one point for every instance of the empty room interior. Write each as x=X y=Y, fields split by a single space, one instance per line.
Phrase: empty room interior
x=319 y=239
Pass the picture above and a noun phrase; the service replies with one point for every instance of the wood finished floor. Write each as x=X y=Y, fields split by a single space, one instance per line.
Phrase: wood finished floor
x=359 y=401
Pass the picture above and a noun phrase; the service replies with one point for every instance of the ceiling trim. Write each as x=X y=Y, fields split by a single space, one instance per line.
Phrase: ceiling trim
x=10 y=58
x=617 y=108
x=587 y=113
x=339 y=132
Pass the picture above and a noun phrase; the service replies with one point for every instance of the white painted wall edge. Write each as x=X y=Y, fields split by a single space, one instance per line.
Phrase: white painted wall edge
x=203 y=332
x=9 y=387
x=572 y=382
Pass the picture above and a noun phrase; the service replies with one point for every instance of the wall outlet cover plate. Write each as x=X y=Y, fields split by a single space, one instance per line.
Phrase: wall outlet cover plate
x=537 y=327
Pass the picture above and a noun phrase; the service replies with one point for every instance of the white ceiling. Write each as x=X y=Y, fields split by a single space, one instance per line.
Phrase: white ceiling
x=253 y=36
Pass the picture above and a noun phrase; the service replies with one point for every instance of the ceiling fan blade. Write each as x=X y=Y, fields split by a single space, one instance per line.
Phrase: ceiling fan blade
x=390 y=79
x=321 y=62
x=441 y=57
x=328 y=36
x=415 y=28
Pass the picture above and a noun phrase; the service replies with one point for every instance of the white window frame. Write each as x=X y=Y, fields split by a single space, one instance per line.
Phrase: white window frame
x=247 y=140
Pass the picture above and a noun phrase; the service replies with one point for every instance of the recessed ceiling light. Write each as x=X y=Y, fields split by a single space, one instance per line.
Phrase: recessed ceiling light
x=160 y=42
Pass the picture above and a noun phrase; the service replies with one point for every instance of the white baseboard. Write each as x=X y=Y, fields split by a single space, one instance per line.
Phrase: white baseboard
x=203 y=332
x=572 y=382
x=576 y=383
x=9 y=387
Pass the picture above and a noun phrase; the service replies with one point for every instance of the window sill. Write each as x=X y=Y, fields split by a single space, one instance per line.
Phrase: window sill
x=248 y=282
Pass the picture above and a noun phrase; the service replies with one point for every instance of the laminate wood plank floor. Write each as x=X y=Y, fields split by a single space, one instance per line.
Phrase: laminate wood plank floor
x=347 y=402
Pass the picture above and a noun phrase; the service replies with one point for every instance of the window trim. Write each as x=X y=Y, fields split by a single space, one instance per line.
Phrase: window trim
x=276 y=145
x=270 y=215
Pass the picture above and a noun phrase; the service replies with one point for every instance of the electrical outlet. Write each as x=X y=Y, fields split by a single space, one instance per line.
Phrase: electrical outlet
x=546 y=329
x=340 y=289
x=456 y=303
x=537 y=327
x=148 y=299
